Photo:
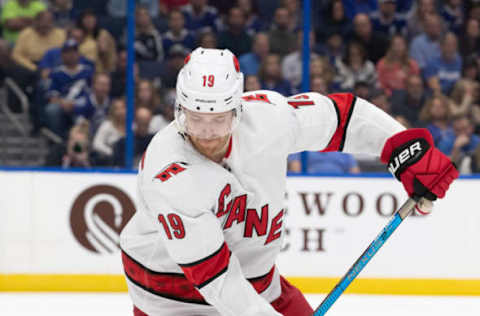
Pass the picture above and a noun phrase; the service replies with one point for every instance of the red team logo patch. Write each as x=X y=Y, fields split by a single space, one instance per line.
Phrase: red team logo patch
x=166 y=174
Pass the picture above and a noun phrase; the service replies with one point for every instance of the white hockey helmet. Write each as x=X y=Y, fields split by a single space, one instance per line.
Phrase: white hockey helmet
x=209 y=82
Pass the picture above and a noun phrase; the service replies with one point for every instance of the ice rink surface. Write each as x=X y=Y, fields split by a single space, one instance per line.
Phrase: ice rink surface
x=101 y=304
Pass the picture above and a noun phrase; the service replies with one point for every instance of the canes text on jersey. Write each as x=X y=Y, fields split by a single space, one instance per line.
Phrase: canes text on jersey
x=237 y=212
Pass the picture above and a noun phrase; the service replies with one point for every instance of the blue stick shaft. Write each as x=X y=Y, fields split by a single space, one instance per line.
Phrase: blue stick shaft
x=367 y=255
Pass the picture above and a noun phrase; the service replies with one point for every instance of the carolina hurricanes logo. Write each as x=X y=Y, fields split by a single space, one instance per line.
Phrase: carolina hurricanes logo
x=97 y=217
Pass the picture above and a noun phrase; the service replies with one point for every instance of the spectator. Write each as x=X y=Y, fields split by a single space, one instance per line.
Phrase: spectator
x=101 y=45
x=200 y=17
x=362 y=90
x=271 y=77
x=282 y=40
x=76 y=153
x=354 y=67
x=250 y=62
x=387 y=21
x=380 y=99
x=334 y=22
x=333 y=48
x=320 y=67
x=253 y=25
x=146 y=96
x=326 y=162
x=68 y=88
x=171 y=67
x=17 y=15
x=292 y=63
x=34 y=42
x=416 y=20
x=148 y=43
x=53 y=57
x=252 y=83
x=426 y=45
x=23 y=77
x=396 y=67
x=375 y=43
x=207 y=39
x=119 y=76
x=461 y=141
x=470 y=69
x=294 y=12
x=63 y=12
x=436 y=115
x=464 y=96
x=110 y=131
x=319 y=84
x=409 y=102
x=355 y=7
x=177 y=33
x=443 y=71
x=235 y=38
x=453 y=14
x=469 y=40
x=142 y=138
x=98 y=100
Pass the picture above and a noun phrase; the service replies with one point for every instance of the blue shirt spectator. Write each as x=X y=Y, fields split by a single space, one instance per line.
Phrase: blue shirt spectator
x=426 y=46
x=328 y=162
x=442 y=72
x=448 y=72
x=250 y=62
x=53 y=59
x=438 y=133
x=447 y=143
x=387 y=21
x=200 y=17
x=177 y=33
x=461 y=142
x=69 y=82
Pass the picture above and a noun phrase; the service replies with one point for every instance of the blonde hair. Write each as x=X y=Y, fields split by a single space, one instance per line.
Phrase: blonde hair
x=458 y=90
x=328 y=72
x=82 y=127
x=425 y=113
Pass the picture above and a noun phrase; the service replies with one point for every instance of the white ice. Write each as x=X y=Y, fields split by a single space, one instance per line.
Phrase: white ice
x=102 y=304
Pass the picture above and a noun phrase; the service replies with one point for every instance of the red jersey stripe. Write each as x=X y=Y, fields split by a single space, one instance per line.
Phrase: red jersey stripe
x=344 y=104
x=203 y=271
x=175 y=285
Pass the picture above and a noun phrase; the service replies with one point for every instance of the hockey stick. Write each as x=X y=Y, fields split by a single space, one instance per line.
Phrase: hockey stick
x=367 y=255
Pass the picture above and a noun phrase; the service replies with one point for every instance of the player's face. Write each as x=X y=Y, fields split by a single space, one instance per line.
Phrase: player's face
x=208 y=126
x=209 y=132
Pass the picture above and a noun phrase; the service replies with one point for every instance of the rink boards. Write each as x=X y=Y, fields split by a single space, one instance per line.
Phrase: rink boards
x=59 y=232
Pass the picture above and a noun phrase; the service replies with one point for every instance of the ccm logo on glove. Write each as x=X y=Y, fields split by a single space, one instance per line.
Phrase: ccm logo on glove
x=403 y=157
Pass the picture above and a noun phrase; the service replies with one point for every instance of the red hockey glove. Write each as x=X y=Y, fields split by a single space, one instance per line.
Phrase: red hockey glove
x=413 y=159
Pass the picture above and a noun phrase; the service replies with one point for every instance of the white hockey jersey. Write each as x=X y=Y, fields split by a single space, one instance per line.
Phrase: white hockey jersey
x=205 y=236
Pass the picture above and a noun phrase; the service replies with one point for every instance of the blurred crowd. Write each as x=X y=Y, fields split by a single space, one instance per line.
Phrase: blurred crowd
x=416 y=60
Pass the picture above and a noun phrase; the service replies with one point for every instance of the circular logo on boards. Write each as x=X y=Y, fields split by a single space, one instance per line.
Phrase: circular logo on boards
x=97 y=217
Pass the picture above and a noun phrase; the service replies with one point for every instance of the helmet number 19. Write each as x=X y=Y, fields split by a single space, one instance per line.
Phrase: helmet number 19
x=208 y=81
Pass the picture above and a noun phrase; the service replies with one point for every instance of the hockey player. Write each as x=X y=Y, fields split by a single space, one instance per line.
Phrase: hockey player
x=211 y=185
